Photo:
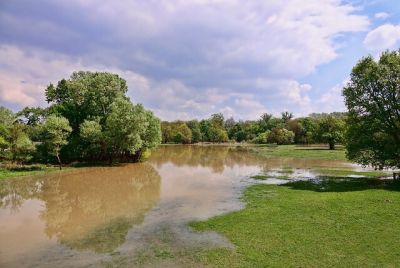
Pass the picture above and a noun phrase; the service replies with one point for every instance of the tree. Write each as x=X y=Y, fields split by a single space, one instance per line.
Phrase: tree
x=286 y=116
x=56 y=130
x=372 y=97
x=262 y=138
x=237 y=133
x=91 y=133
x=176 y=132
x=303 y=129
x=32 y=116
x=330 y=130
x=130 y=130
x=20 y=146
x=280 y=136
x=194 y=126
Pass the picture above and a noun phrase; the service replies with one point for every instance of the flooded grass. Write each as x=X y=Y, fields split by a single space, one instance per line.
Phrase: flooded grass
x=342 y=172
x=293 y=151
x=337 y=223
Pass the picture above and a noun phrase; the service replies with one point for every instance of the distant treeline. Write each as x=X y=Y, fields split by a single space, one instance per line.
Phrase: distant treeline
x=316 y=128
x=90 y=118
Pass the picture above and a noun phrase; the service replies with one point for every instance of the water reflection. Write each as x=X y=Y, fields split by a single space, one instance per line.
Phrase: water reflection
x=89 y=208
x=75 y=217
x=220 y=157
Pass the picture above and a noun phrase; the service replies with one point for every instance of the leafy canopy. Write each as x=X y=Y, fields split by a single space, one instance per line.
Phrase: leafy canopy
x=372 y=97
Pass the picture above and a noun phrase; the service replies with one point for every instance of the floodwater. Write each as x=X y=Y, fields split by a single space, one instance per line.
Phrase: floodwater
x=130 y=215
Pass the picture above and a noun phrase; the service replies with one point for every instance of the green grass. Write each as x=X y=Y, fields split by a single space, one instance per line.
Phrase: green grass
x=336 y=223
x=7 y=173
x=27 y=170
x=293 y=151
x=343 y=172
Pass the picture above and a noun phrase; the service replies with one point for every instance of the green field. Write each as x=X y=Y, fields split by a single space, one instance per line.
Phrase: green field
x=317 y=152
x=337 y=223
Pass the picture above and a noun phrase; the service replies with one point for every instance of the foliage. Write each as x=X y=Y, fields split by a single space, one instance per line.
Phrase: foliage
x=56 y=130
x=330 y=130
x=280 y=136
x=194 y=126
x=129 y=130
x=372 y=97
x=176 y=132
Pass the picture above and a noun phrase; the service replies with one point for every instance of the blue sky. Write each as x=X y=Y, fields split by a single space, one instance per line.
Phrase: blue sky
x=188 y=59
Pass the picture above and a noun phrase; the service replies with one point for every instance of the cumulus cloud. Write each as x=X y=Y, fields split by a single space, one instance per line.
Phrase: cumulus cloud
x=181 y=58
x=383 y=37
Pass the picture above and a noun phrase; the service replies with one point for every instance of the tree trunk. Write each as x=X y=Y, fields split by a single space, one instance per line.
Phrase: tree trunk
x=59 y=161
x=331 y=146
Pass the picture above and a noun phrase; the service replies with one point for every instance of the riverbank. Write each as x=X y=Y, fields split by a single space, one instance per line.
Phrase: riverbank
x=332 y=223
x=13 y=171
x=26 y=170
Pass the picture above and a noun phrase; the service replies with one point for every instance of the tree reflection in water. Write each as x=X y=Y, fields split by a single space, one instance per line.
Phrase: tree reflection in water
x=219 y=157
x=89 y=209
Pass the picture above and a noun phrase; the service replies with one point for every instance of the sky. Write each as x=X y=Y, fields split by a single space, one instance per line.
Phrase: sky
x=188 y=59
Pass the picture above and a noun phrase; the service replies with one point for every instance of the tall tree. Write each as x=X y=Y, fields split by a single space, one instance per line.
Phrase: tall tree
x=56 y=130
x=372 y=97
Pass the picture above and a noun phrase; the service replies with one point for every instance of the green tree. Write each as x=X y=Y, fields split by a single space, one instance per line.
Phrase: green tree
x=91 y=133
x=32 y=116
x=130 y=130
x=176 y=132
x=20 y=146
x=56 y=130
x=372 y=97
x=280 y=136
x=194 y=126
x=330 y=130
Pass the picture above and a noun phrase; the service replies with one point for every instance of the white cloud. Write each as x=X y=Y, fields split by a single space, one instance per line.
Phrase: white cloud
x=183 y=59
x=381 y=15
x=383 y=37
x=332 y=100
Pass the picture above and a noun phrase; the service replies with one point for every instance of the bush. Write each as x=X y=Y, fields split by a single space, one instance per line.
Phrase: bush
x=281 y=136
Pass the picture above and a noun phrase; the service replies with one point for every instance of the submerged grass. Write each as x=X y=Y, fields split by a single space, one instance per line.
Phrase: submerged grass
x=293 y=151
x=345 y=223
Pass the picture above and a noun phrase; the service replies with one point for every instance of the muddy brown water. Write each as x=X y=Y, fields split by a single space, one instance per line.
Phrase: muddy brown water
x=130 y=215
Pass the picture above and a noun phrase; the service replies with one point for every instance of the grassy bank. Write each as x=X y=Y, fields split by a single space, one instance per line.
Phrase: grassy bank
x=316 y=152
x=25 y=170
x=351 y=223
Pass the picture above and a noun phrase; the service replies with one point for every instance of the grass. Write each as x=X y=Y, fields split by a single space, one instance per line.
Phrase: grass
x=12 y=171
x=343 y=172
x=334 y=223
x=266 y=177
x=293 y=151
x=20 y=171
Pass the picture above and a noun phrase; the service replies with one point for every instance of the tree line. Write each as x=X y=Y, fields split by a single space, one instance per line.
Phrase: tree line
x=316 y=128
x=89 y=118
x=370 y=129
